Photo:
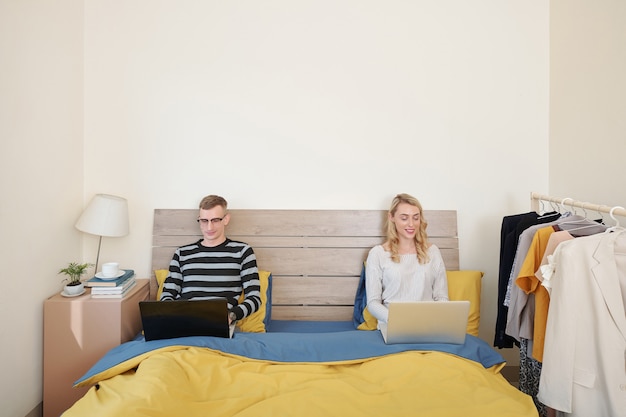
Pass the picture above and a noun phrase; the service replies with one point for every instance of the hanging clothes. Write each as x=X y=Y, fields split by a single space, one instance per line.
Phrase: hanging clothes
x=539 y=284
x=529 y=284
x=584 y=367
x=530 y=372
x=511 y=229
x=524 y=239
x=529 y=278
x=530 y=301
x=519 y=318
x=522 y=312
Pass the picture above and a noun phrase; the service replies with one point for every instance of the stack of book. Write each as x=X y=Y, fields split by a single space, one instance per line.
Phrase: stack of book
x=115 y=288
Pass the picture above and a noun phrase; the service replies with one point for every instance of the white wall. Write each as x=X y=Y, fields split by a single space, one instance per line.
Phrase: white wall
x=41 y=164
x=278 y=104
x=318 y=104
x=587 y=105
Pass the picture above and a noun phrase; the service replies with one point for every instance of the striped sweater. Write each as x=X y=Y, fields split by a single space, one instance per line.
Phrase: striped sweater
x=223 y=271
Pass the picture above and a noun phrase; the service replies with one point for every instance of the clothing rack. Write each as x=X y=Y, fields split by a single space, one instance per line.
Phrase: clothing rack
x=536 y=204
x=536 y=198
x=532 y=372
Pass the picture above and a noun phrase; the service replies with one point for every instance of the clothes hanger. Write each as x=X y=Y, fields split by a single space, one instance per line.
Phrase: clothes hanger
x=590 y=227
x=620 y=249
x=542 y=208
x=616 y=226
x=563 y=208
x=544 y=214
x=578 y=220
x=600 y=220
x=555 y=207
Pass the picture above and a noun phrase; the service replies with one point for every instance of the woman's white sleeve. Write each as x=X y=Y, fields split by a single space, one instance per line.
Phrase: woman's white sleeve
x=374 y=286
x=440 y=279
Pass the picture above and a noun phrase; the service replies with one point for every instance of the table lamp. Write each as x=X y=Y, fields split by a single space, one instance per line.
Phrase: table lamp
x=106 y=215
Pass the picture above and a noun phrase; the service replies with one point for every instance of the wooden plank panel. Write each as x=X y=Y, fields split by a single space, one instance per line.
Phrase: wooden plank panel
x=300 y=222
x=305 y=261
x=307 y=222
x=311 y=261
x=175 y=222
x=450 y=258
x=314 y=290
x=441 y=222
x=154 y=287
x=312 y=313
x=161 y=257
x=278 y=222
x=300 y=241
x=280 y=241
x=175 y=240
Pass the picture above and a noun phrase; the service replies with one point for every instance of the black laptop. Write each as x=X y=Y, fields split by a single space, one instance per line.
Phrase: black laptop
x=180 y=318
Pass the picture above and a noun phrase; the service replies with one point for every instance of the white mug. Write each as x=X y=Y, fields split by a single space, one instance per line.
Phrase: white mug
x=110 y=269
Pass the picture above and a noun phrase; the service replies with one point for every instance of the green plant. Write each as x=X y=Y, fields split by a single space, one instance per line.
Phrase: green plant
x=74 y=271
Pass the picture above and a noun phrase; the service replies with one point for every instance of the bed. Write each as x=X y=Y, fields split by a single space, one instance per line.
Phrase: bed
x=312 y=349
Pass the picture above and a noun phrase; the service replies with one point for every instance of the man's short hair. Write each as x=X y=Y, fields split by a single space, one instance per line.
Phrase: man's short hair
x=211 y=201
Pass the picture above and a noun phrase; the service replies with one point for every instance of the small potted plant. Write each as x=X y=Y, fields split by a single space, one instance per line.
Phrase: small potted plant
x=74 y=271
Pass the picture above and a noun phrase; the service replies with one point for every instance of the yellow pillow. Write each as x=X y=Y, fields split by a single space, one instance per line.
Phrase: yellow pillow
x=160 y=274
x=466 y=285
x=369 y=323
x=254 y=323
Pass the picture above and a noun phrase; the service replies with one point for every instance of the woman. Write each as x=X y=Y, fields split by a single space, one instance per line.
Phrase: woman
x=406 y=267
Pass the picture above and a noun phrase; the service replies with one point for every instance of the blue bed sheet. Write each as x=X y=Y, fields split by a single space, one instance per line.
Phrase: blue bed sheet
x=302 y=326
x=298 y=347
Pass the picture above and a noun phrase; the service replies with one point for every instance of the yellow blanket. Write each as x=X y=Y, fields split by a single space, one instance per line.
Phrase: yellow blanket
x=194 y=381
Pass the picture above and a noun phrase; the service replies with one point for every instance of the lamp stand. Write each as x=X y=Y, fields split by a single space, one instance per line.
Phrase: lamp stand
x=98 y=255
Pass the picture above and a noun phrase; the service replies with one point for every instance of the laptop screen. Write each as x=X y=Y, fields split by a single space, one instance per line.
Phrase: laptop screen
x=181 y=318
x=426 y=322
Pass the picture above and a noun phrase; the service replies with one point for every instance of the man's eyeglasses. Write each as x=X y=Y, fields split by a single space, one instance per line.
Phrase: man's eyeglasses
x=214 y=220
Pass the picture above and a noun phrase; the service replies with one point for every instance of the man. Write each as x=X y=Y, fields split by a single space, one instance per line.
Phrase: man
x=215 y=266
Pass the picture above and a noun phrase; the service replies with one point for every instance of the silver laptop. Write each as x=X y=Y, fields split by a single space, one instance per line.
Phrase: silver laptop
x=426 y=322
x=180 y=318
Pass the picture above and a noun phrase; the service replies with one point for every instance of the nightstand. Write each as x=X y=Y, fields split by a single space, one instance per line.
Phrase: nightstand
x=77 y=332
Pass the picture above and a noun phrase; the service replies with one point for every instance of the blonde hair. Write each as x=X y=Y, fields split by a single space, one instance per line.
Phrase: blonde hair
x=421 y=237
x=211 y=201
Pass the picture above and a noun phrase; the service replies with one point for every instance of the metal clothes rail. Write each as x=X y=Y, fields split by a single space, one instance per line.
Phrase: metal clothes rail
x=536 y=198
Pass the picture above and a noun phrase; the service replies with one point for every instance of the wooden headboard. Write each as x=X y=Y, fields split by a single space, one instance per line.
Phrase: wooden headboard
x=315 y=256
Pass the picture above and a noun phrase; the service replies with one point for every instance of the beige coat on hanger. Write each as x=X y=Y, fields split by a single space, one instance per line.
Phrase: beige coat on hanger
x=584 y=363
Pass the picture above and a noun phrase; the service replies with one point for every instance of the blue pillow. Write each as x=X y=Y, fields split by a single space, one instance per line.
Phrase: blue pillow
x=360 y=301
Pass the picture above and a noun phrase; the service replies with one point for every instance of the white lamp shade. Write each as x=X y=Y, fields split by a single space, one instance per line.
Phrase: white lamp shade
x=106 y=215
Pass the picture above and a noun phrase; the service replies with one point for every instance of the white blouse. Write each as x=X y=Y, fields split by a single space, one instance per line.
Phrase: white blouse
x=407 y=280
